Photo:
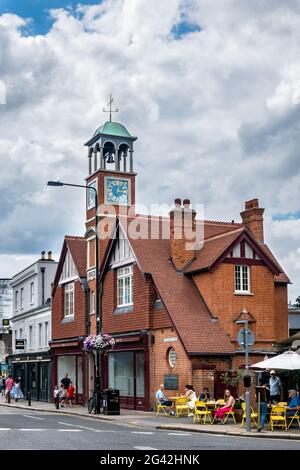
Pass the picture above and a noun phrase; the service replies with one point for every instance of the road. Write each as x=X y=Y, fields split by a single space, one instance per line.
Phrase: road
x=22 y=429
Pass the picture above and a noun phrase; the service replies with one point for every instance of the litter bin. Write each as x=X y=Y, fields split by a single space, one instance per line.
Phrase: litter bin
x=111 y=401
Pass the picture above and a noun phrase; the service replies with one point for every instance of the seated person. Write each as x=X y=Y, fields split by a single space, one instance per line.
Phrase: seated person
x=294 y=403
x=192 y=398
x=204 y=395
x=161 y=397
x=220 y=412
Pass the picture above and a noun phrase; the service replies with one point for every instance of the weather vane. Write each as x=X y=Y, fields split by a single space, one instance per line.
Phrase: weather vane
x=110 y=110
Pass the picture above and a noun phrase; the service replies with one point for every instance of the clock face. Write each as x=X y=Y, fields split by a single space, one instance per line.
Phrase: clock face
x=117 y=191
x=91 y=195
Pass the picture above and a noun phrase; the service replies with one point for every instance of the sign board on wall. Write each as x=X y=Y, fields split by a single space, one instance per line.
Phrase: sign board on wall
x=171 y=381
x=20 y=344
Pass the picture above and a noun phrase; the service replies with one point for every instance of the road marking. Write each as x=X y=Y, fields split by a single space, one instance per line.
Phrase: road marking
x=33 y=429
x=69 y=430
x=141 y=432
x=4 y=429
x=33 y=417
x=75 y=426
x=144 y=448
x=178 y=434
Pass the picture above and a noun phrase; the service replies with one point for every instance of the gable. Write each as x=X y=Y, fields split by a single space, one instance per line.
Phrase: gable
x=242 y=249
x=69 y=271
x=121 y=252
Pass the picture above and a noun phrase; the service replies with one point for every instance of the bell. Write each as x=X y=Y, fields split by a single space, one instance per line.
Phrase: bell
x=110 y=158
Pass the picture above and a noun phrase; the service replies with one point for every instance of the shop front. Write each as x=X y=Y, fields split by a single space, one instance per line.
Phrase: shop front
x=68 y=357
x=127 y=369
x=34 y=372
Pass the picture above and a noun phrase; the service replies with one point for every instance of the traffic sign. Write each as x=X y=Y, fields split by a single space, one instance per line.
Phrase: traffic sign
x=245 y=336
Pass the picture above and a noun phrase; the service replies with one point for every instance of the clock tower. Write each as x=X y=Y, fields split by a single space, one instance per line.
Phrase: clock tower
x=110 y=171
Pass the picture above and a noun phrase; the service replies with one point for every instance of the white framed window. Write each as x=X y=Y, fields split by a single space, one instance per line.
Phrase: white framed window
x=69 y=299
x=242 y=279
x=92 y=301
x=40 y=334
x=46 y=333
x=16 y=300
x=90 y=195
x=172 y=357
x=22 y=297
x=31 y=292
x=124 y=278
x=30 y=336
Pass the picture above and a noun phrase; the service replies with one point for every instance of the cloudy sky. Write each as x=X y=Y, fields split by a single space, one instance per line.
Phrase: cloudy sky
x=211 y=89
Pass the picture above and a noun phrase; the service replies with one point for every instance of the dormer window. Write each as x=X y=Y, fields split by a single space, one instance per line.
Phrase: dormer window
x=124 y=284
x=242 y=279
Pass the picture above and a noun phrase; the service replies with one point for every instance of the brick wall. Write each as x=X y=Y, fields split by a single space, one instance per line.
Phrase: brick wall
x=139 y=317
x=218 y=288
x=281 y=309
x=76 y=327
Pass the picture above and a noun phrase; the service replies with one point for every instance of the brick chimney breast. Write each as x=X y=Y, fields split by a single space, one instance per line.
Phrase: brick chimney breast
x=252 y=218
x=182 y=234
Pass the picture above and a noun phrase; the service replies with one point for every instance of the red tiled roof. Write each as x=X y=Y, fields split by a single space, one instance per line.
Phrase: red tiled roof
x=199 y=331
x=212 y=249
x=77 y=247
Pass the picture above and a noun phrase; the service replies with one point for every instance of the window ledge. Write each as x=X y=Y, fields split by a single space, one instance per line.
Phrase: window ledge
x=69 y=319
x=125 y=309
x=243 y=293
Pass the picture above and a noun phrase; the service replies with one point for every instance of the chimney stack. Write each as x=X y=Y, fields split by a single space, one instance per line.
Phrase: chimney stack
x=49 y=255
x=182 y=234
x=42 y=254
x=252 y=218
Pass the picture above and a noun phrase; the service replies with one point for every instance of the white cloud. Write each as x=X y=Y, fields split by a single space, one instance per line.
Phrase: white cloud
x=216 y=112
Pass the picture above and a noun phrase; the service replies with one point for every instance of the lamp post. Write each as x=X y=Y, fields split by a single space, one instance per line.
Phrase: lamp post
x=247 y=381
x=97 y=303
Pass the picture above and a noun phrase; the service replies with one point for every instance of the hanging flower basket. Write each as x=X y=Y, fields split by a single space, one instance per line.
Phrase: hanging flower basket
x=102 y=343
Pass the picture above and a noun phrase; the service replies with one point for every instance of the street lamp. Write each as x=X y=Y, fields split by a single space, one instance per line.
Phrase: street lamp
x=247 y=381
x=97 y=306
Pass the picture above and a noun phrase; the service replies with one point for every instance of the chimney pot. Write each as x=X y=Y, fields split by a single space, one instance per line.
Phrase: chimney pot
x=49 y=255
x=186 y=203
x=177 y=202
x=42 y=254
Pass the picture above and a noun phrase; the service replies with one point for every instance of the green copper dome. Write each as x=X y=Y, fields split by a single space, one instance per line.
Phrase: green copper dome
x=114 y=129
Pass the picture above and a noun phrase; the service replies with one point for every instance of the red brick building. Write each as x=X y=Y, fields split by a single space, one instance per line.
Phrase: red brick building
x=173 y=310
x=70 y=316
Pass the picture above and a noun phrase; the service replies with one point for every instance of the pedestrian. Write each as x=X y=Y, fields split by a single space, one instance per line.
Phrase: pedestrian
x=2 y=383
x=66 y=381
x=8 y=388
x=56 y=396
x=264 y=392
x=62 y=395
x=275 y=387
x=70 y=394
x=17 y=390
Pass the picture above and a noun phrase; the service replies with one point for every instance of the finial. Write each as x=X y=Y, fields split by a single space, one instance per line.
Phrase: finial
x=110 y=110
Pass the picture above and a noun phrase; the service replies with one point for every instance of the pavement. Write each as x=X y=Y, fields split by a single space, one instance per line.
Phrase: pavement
x=150 y=420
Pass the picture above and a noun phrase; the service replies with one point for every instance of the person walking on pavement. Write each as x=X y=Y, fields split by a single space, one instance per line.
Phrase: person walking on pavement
x=65 y=381
x=275 y=387
x=70 y=394
x=56 y=397
x=17 y=392
x=8 y=388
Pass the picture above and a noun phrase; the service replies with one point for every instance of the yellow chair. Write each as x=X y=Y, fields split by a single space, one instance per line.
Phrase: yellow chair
x=201 y=411
x=282 y=403
x=295 y=417
x=254 y=415
x=278 y=417
x=181 y=406
x=160 y=407
x=229 y=413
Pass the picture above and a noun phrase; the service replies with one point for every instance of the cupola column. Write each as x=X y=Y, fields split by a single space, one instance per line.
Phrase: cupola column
x=90 y=162
x=131 y=160
x=101 y=158
x=95 y=160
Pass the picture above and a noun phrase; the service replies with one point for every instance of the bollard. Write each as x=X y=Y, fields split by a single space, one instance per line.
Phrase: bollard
x=29 y=398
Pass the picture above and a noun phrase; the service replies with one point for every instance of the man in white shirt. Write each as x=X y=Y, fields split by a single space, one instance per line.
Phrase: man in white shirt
x=275 y=387
x=162 y=398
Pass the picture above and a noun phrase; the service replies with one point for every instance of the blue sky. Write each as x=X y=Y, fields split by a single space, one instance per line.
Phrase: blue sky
x=37 y=10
